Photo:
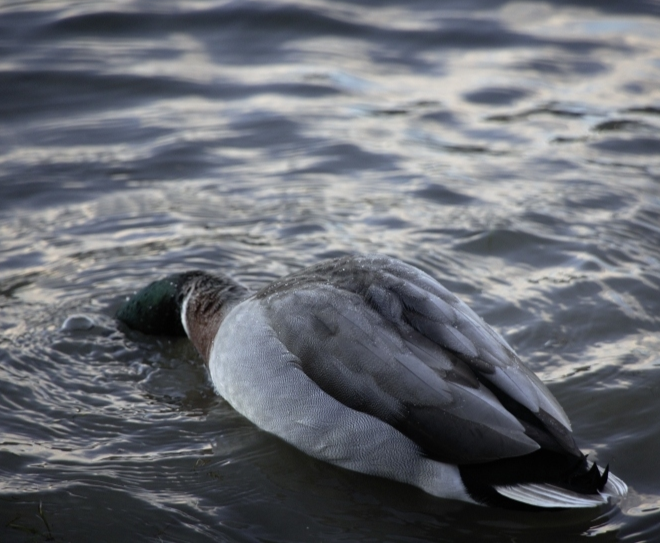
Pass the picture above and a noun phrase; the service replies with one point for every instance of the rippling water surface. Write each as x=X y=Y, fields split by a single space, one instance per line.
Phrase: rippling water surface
x=510 y=149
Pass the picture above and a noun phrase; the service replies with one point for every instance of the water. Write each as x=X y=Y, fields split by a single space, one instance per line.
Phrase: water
x=510 y=149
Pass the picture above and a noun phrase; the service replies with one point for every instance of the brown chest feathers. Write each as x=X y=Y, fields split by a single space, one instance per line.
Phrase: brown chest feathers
x=207 y=300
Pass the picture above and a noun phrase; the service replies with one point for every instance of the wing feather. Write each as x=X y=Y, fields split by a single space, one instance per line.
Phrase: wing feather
x=361 y=356
x=442 y=317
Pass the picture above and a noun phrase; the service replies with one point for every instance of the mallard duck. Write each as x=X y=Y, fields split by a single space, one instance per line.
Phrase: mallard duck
x=372 y=365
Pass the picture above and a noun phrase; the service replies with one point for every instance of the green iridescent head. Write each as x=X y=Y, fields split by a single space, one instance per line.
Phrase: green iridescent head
x=156 y=309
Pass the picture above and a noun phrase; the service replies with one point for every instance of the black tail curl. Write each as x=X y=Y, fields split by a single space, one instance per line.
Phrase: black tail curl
x=592 y=479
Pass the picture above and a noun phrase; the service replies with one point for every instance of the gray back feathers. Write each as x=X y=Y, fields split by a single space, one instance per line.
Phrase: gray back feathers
x=384 y=338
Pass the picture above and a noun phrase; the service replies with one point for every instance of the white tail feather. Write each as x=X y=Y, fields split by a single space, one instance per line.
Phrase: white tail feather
x=546 y=495
x=543 y=495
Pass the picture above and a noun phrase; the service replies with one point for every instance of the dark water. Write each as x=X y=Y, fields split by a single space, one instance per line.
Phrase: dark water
x=510 y=149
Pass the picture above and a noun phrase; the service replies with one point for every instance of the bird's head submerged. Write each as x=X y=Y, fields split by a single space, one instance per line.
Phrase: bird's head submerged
x=156 y=309
x=193 y=303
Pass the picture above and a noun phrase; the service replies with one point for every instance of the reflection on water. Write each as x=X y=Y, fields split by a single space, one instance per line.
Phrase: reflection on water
x=509 y=149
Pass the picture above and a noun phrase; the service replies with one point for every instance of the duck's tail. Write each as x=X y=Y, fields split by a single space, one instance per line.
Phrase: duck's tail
x=542 y=480
x=549 y=496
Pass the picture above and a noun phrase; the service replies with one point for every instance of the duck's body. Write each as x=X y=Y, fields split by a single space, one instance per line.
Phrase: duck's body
x=372 y=365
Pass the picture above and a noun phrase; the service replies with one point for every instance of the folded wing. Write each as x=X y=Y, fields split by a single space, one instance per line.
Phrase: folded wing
x=386 y=339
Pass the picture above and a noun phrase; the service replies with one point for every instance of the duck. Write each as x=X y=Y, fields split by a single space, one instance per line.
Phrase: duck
x=370 y=364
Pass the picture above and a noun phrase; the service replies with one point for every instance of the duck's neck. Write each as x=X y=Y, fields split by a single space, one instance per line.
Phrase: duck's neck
x=207 y=300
